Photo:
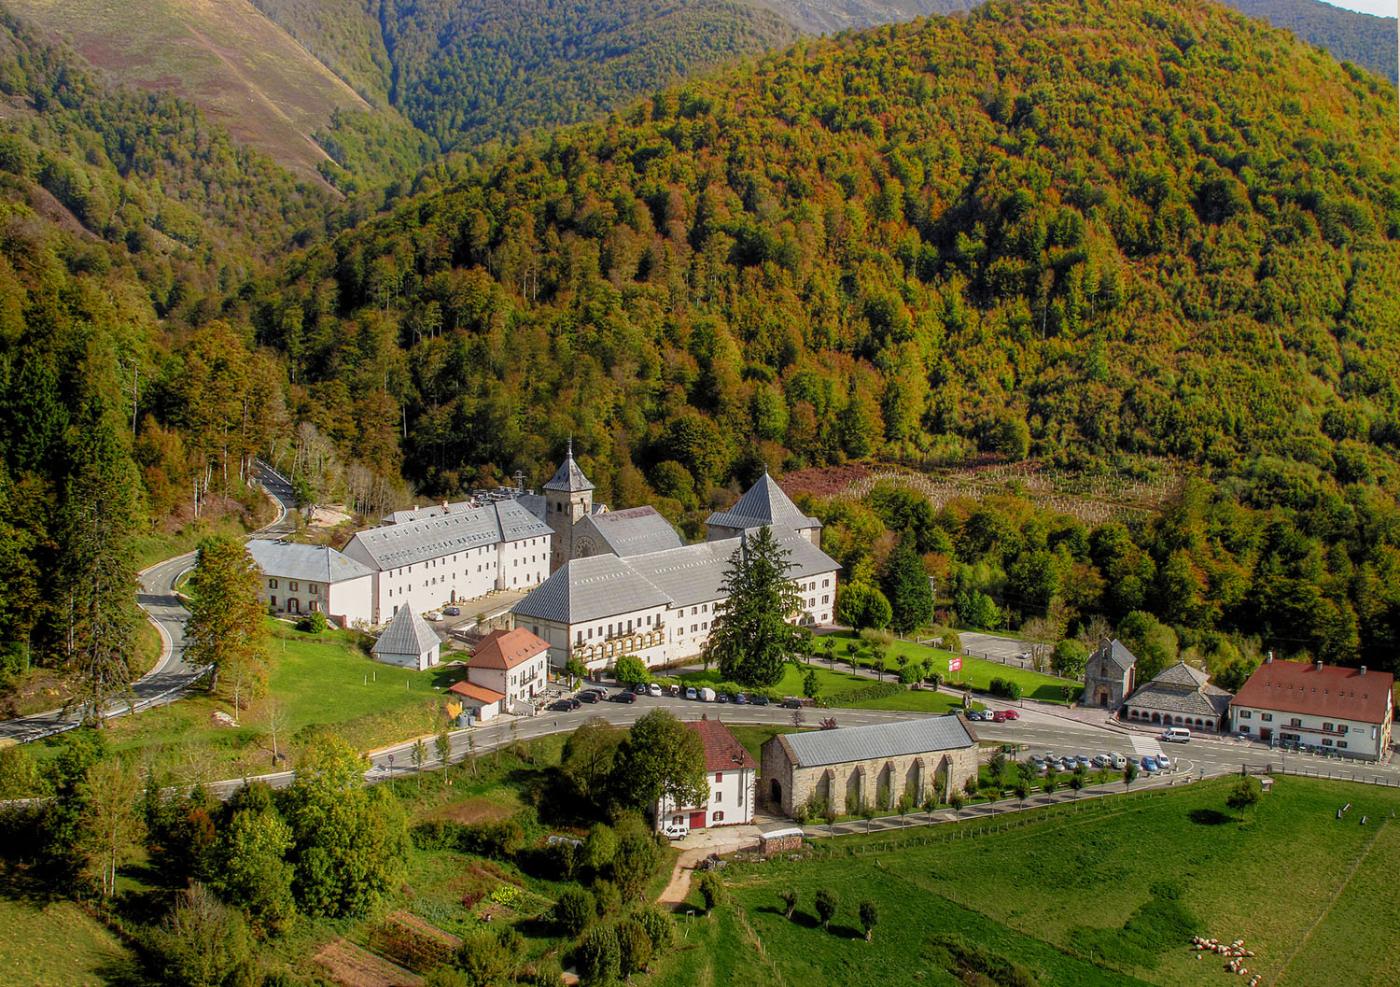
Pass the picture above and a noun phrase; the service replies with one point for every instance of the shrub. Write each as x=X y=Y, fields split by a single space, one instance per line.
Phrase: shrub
x=875 y=690
x=1005 y=688
x=599 y=956
x=950 y=641
x=660 y=927
x=827 y=903
x=312 y=623
x=572 y=913
x=711 y=890
x=634 y=947
x=202 y=943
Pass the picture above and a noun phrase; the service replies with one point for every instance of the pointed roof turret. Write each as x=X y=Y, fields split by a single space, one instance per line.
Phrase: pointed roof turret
x=407 y=634
x=764 y=505
x=569 y=478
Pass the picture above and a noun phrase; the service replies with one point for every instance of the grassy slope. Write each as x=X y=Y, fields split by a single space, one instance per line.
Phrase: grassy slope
x=243 y=70
x=326 y=681
x=56 y=945
x=1070 y=880
x=832 y=682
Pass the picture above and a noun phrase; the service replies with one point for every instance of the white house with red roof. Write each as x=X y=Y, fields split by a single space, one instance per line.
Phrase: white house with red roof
x=512 y=663
x=1324 y=707
x=732 y=774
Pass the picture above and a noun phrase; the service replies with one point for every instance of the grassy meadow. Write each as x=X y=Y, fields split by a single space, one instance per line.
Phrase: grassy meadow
x=1103 y=892
x=57 y=944
x=833 y=684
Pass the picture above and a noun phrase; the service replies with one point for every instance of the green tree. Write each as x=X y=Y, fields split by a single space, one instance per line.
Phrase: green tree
x=1130 y=774
x=419 y=754
x=631 y=670
x=225 y=627
x=486 y=958
x=599 y=848
x=1069 y=658
x=869 y=916
x=442 y=746
x=711 y=889
x=201 y=943
x=906 y=586
x=637 y=860
x=599 y=957
x=634 y=947
x=861 y=605
x=589 y=758
x=661 y=757
x=19 y=775
x=252 y=869
x=1154 y=643
x=810 y=684
x=1244 y=795
x=827 y=904
x=110 y=829
x=751 y=637
x=977 y=609
x=572 y=912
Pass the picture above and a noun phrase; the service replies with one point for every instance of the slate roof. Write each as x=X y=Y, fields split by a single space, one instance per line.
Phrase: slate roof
x=1115 y=652
x=432 y=510
x=1181 y=689
x=1328 y=690
x=313 y=563
x=588 y=589
x=394 y=545
x=470 y=690
x=568 y=476
x=407 y=634
x=764 y=504
x=723 y=752
x=635 y=531
x=604 y=585
x=878 y=740
x=506 y=649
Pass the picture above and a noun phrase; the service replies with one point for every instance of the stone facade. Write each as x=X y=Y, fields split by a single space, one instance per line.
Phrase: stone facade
x=1110 y=676
x=844 y=786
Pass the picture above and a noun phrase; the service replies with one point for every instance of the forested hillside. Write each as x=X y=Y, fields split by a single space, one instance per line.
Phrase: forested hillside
x=127 y=223
x=1159 y=229
x=1351 y=36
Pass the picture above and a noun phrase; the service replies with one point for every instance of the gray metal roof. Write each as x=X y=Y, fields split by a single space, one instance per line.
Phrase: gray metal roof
x=879 y=740
x=1181 y=689
x=313 y=563
x=764 y=504
x=431 y=510
x=636 y=531
x=568 y=476
x=407 y=634
x=590 y=589
x=603 y=585
x=394 y=545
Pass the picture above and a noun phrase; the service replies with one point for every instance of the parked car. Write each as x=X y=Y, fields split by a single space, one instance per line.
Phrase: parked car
x=1149 y=764
x=1163 y=762
x=792 y=702
x=624 y=696
x=641 y=689
x=1100 y=761
x=432 y=615
x=973 y=715
x=654 y=690
x=1176 y=735
x=707 y=695
x=675 y=831
x=999 y=716
x=1011 y=714
x=1082 y=761
x=722 y=697
x=759 y=699
x=565 y=705
x=674 y=691
x=1116 y=760
x=453 y=611
x=690 y=692
x=587 y=696
x=740 y=699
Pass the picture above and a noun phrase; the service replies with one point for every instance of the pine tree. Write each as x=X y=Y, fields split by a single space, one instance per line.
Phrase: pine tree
x=225 y=628
x=101 y=511
x=907 y=588
x=751 y=638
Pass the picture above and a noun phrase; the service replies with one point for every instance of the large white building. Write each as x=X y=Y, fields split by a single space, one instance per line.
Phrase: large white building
x=1344 y=711
x=445 y=558
x=627 y=586
x=301 y=579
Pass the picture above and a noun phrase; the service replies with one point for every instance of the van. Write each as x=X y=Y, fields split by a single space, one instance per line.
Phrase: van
x=1117 y=760
x=1176 y=735
x=707 y=695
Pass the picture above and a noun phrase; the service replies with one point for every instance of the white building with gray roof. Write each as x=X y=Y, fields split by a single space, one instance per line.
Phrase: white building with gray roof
x=300 y=579
x=409 y=641
x=848 y=767
x=660 y=605
x=763 y=505
x=447 y=558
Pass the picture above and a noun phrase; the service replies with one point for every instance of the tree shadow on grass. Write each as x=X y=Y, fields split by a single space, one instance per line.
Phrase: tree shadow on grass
x=846 y=932
x=1208 y=817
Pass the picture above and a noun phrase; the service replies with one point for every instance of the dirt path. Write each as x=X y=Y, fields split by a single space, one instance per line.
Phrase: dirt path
x=679 y=885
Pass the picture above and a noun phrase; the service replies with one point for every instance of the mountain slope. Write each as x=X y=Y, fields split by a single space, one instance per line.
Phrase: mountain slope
x=1350 y=36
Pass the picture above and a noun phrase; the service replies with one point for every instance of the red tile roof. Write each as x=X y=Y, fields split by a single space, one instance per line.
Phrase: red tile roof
x=470 y=690
x=1326 y=690
x=506 y=649
x=723 y=752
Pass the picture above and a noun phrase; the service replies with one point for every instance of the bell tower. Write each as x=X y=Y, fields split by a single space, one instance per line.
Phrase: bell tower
x=568 y=500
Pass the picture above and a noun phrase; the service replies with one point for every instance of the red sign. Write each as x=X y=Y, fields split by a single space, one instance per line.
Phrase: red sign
x=955 y=664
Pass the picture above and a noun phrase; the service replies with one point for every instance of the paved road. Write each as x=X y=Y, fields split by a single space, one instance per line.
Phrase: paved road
x=1042 y=733
x=156 y=596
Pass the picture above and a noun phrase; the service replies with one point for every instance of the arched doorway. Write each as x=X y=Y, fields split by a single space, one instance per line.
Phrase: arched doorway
x=1103 y=697
x=1156 y=717
x=775 y=792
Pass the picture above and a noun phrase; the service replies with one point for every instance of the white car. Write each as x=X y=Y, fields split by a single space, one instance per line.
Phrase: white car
x=654 y=690
x=432 y=615
x=675 y=831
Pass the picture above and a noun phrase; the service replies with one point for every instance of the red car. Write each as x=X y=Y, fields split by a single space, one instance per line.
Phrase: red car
x=1010 y=714
x=999 y=717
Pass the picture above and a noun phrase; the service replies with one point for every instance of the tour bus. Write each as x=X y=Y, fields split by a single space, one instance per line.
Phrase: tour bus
x=1176 y=735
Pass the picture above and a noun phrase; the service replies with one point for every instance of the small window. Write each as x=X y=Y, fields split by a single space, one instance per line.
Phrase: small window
x=1342 y=744
x=292 y=586
x=1245 y=714
x=272 y=584
x=719 y=797
x=719 y=817
x=1267 y=717
x=719 y=777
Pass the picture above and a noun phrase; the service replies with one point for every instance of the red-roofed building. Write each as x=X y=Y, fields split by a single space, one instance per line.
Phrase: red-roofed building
x=480 y=702
x=1325 y=707
x=512 y=663
x=732 y=774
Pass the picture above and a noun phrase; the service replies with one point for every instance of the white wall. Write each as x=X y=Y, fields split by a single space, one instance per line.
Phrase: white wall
x=353 y=600
x=731 y=796
x=1360 y=739
x=524 y=681
x=434 y=583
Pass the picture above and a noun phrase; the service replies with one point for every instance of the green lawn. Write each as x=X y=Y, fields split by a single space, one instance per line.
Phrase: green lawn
x=1106 y=892
x=833 y=682
x=317 y=680
x=976 y=673
x=57 y=944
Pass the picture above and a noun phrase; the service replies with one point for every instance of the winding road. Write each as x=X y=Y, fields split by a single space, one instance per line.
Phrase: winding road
x=156 y=595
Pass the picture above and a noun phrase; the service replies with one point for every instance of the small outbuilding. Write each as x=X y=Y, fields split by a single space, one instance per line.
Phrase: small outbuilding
x=1110 y=676
x=408 y=641
x=477 y=701
x=1180 y=696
